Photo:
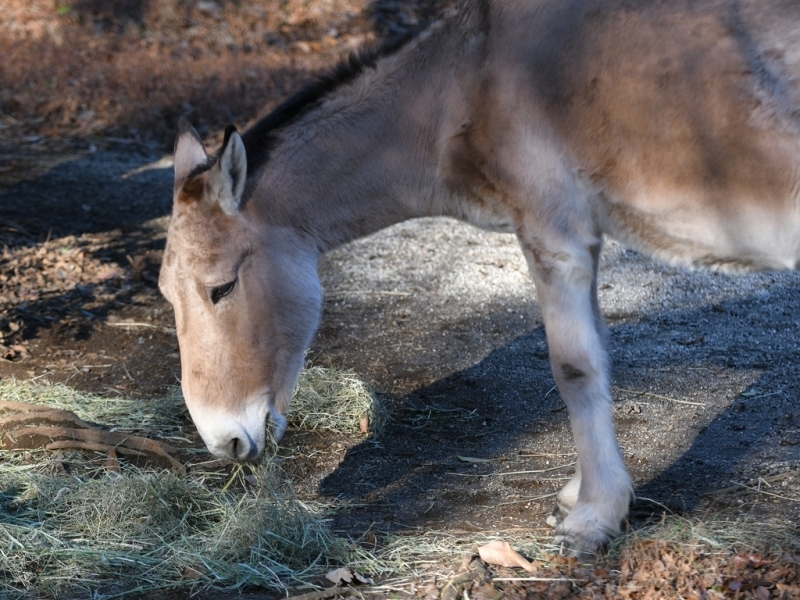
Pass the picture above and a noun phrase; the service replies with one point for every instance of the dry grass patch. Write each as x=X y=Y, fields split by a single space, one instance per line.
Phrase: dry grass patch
x=158 y=417
x=74 y=523
x=69 y=527
x=335 y=400
x=325 y=398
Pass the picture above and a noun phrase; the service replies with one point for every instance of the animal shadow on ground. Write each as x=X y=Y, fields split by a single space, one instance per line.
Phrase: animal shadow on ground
x=732 y=366
x=87 y=194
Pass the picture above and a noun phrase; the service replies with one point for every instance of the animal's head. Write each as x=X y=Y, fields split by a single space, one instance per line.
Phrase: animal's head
x=246 y=298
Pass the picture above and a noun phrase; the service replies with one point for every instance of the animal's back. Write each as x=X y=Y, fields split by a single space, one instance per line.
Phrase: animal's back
x=681 y=119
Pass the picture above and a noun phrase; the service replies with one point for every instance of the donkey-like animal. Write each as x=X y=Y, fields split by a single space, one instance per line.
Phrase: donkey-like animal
x=673 y=126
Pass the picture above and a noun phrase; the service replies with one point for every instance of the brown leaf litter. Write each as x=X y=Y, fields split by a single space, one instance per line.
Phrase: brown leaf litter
x=645 y=570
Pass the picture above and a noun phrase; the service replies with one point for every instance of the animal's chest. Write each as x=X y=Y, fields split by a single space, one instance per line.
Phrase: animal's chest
x=472 y=192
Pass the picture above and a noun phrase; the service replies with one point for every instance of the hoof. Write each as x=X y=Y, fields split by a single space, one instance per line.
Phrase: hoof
x=585 y=548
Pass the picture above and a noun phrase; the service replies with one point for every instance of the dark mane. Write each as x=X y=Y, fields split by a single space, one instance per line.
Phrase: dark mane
x=258 y=140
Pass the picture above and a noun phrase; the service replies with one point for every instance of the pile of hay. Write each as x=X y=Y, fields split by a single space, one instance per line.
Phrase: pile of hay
x=99 y=532
x=335 y=400
x=326 y=398
x=164 y=418
x=72 y=525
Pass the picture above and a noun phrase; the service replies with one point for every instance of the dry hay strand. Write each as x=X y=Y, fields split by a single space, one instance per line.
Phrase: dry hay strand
x=335 y=400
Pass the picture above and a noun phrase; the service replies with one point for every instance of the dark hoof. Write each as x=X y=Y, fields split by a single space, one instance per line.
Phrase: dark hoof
x=559 y=514
x=582 y=547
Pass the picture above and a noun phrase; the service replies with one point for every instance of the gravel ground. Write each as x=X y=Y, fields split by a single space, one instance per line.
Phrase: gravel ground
x=705 y=365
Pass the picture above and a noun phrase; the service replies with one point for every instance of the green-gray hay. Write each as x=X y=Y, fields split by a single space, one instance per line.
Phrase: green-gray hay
x=161 y=417
x=334 y=400
x=90 y=531
x=98 y=531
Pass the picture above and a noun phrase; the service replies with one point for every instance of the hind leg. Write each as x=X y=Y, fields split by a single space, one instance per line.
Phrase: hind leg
x=596 y=499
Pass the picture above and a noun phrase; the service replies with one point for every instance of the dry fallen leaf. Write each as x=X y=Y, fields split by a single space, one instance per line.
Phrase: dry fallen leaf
x=501 y=553
x=756 y=560
x=363 y=424
x=195 y=572
x=112 y=462
x=370 y=540
x=347 y=575
x=740 y=562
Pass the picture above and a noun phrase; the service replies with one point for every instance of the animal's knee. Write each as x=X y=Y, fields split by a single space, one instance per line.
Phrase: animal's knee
x=576 y=370
x=570 y=372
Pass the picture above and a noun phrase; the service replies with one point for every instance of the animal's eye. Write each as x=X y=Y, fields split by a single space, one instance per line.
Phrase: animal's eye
x=218 y=293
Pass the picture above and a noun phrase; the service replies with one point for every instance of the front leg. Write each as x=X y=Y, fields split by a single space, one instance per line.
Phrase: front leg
x=596 y=500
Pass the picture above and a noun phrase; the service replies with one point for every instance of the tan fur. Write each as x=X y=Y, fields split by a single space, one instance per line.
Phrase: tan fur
x=674 y=126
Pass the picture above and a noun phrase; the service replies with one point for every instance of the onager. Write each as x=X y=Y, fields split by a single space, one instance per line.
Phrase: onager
x=671 y=126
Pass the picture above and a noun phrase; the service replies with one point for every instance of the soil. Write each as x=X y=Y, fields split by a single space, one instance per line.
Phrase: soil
x=443 y=318
x=440 y=317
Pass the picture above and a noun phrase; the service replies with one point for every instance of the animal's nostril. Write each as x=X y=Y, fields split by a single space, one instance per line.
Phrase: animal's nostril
x=238 y=448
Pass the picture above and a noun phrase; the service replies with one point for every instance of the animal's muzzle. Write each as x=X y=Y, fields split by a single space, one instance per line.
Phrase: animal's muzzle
x=242 y=448
x=235 y=435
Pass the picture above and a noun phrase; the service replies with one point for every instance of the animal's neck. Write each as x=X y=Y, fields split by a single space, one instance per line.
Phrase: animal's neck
x=338 y=185
x=368 y=156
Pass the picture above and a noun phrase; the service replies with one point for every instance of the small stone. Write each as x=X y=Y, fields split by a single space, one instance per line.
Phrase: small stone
x=302 y=47
x=208 y=7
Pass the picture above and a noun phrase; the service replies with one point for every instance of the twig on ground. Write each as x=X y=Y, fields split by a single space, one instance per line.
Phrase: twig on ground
x=532 y=499
x=651 y=394
x=546 y=454
x=748 y=397
x=346 y=293
x=512 y=472
x=767 y=479
x=546 y=579
x=9 y=118
x=16 y=226
x=758 y=491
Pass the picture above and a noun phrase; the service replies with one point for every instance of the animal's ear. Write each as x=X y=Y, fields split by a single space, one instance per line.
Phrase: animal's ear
x=189 y=150
x=230 y=172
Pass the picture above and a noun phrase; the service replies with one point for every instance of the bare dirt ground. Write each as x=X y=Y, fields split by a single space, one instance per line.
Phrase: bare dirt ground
x=441 y=317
